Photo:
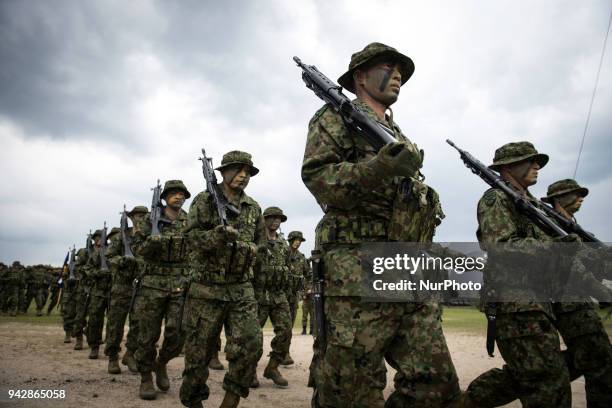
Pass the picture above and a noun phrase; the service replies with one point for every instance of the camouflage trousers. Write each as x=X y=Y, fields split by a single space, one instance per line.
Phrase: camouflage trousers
x=27 y=297
x=82 y=305
x=536 y=371
x=349 y=369
x=12 y=298
x=41 y=295
x=69 y=306
x=152 y=308
x=118 y=312
x=280 y=316
x=205 y=319
x=54 y=295
x=307 y=313
x=588 y=353
x=95 y=325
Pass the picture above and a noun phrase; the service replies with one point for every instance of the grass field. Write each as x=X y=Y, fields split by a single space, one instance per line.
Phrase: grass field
x=459 y=318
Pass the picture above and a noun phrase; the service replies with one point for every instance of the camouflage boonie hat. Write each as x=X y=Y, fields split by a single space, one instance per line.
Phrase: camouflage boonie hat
x=139 y=209
x=238 y=157
x=274 y=212
x=558 y=188
x=372 y=50
x=174 y=185
x=517 y=152
x=98 y=233
x=113 y=231
x=16 y=263
x=296 y=235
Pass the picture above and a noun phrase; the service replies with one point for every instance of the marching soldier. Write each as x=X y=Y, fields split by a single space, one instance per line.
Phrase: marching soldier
x=98 y=303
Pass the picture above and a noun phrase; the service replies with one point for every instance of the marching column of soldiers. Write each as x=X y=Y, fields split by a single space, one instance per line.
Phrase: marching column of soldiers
x=223 y=266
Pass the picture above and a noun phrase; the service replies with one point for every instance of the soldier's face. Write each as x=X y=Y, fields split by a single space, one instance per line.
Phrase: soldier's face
x=525 y=172
x=137 y=218
x=175 y=199
x=381 y=81
x=571 y=202
x=97 y=241
x=272 y=223
x=295 y=244
x=236 y=177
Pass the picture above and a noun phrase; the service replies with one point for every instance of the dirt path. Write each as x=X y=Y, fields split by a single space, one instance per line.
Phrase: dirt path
x=34 y=357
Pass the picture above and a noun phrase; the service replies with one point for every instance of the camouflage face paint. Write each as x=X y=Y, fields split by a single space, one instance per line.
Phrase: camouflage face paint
x=385 y=79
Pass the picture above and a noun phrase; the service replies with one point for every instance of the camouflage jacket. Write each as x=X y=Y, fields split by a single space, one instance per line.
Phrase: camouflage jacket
x=123 y=272
x=360 y=205
x=100 y=280
x=219 y=270
x=164 y=261
x=272 y=283
x=502 y=227
x=299 y=273
x=15 y=275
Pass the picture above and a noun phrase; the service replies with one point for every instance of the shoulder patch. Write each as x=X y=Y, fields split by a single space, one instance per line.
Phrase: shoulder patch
x=490 y=197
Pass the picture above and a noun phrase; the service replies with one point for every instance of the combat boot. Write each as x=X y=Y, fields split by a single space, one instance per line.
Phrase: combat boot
x=113 y=365
x=67 y=338
x=129 y=361
x=271 y=372
x=39 y=313
x=161 y=376
x=147 y=391
x=214 y=363
x=254 y=381
x=287 y=361
x=303 y=330
x=93 y=354
x=79 y=343
x=230 y=400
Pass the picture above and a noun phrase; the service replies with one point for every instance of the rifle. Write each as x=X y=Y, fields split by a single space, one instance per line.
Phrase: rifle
x=375 y=133
x=135 y=288
x=88 y=245
x=156 y=211
x=318 y=280
x=185 y=285
x=535 y=214
x=212 y=186
x=127 y=240
x=103 y=239
x=570 y=226
x=72 y=265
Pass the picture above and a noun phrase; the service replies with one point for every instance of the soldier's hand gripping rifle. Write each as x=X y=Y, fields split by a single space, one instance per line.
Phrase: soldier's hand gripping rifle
x=318 y=280
x=212 y=186
x=125 y=236
x=375 y=133
x=156 y=215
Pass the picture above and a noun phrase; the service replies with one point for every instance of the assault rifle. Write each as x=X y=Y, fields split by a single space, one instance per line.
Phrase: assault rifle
x=156 y=211
x=212 y=186
x=72 y=264
x=125 y=237
x=318 y=280
x=103 y=239
x=375 y=133
x=89 y=245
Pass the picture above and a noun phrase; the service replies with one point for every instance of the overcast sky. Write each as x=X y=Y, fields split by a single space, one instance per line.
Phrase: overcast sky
x=99 y=99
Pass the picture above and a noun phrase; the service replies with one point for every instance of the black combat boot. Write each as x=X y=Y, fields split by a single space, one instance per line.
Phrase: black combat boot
x=147 y=391
x=271 y=372
x=214 y=363
x=254 y=381
x=230 y=400
x=79 y=343
x=161 y=376
x=113 y=365
x=93 y=354
x=67 y=338
x=129 y=361
x=287 y=361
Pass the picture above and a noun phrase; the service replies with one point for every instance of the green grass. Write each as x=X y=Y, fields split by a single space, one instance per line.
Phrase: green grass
x=30 y=317
x=464 y=318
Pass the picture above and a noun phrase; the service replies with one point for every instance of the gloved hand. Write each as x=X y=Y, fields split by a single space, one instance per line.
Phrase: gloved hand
x=397 y=159
x=567 y=238
x=226 y=233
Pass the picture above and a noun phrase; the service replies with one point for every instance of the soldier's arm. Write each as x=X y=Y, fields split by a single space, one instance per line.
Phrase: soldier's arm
x=198 y=218
x=329 y=177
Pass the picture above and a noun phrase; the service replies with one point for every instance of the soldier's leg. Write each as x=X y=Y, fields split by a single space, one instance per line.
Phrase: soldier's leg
x=95 y=325
x=131 y=343
x=280 y=315
x=293 y=307
x=13 y=302
x=356 y=337
x=68 y=309
x=41 y=298
x=150 y=308
x=426 y=376
x=588 y=353
x=115 y=322
x=530 y=346
x=81 y=312
x=173 y=337
x=244 y=346
x=304 y=316
x=203 y=323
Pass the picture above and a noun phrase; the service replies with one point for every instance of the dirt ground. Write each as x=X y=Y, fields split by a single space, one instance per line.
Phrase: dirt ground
x=34 y=357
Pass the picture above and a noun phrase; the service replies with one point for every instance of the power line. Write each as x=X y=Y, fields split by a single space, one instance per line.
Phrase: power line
x=586 y=125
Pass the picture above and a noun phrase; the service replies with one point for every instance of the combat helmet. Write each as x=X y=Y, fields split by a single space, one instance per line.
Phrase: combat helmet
x=238 y=157
x=565 y=186
x=274 y=212
x=174 y=185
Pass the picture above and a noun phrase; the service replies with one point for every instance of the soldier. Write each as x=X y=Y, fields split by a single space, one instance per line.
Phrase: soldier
x=221 y=294
x=525 y=333
x=27 y=292
x=98 y=303
x=299 y=275
x=370 y=196
x=164 y=270
x=15 y=278
x=124 y=271
x=307 y=308
x=272 y=285
x=69 y=295
x=3 y=287
x=83 y=292
x=41 y=280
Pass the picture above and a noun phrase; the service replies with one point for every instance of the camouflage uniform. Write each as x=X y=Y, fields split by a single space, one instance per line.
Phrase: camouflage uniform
x=55 y=290
x=40 y=286
x=15 y=277
x=69 y=295
x=3 y=287
x=525 y=333
x=221 y=293
x=364 y=202
x=124 y=271
x=27 y=292
x=77 y=314
x=163 y=273
x=588 y=353
x=299 y=274
x=98 y=302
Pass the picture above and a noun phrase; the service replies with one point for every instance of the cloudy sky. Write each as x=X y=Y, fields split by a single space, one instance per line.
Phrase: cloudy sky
x=99 y=99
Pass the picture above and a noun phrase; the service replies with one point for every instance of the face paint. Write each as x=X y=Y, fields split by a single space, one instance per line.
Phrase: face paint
x=385 y=80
